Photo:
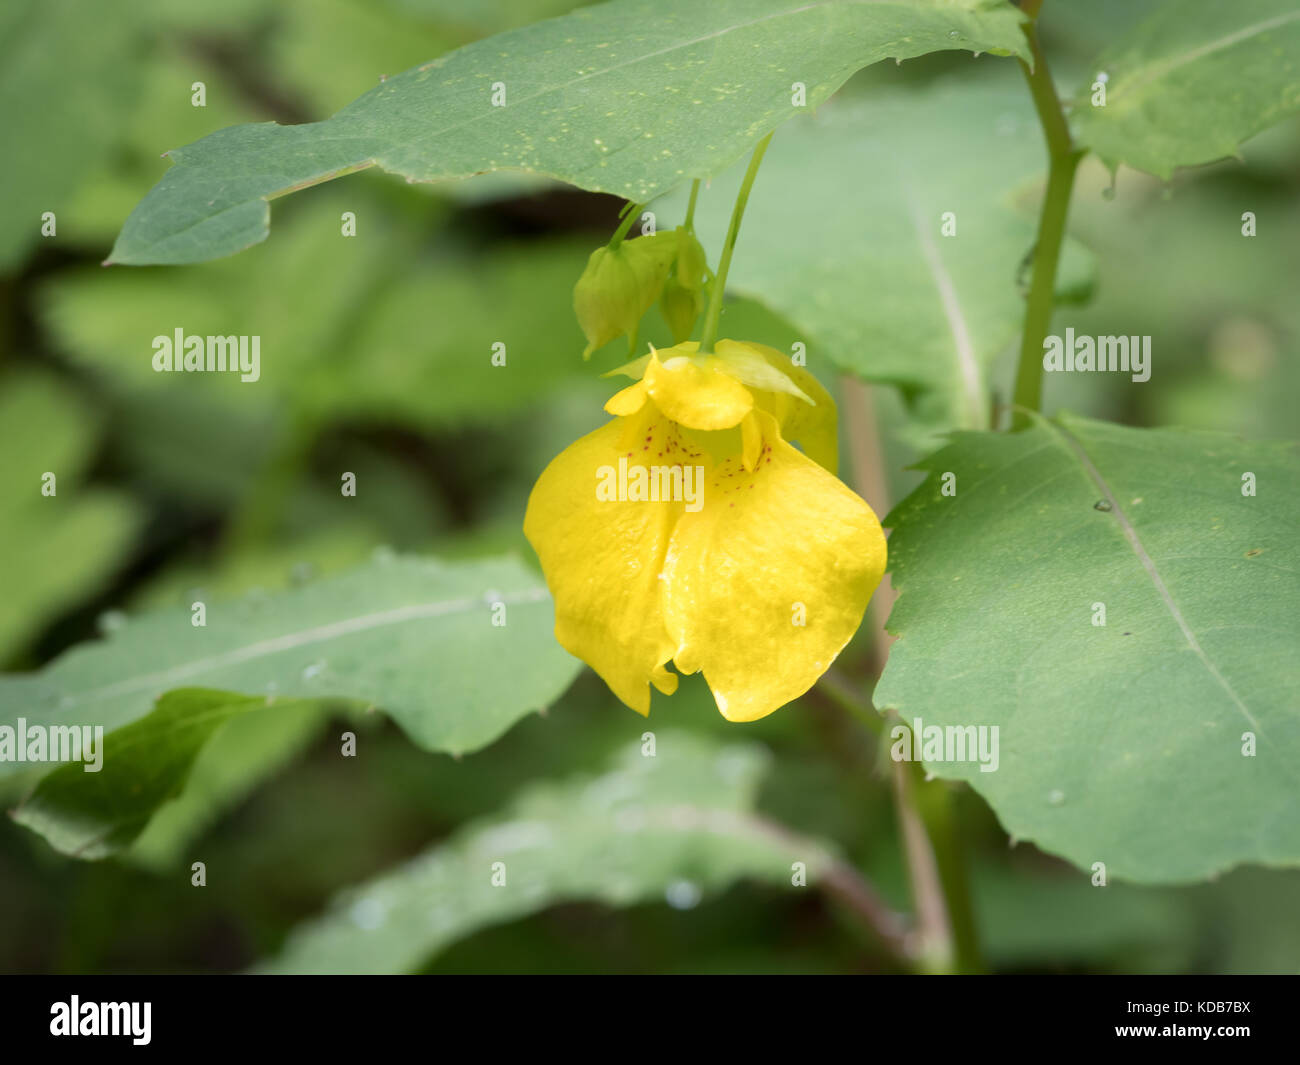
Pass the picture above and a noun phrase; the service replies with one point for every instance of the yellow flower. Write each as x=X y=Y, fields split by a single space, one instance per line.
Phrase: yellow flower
x=688 y=530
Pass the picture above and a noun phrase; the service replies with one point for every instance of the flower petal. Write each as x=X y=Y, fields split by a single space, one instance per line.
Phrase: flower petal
x=751 y=441
x=634 y=369
x=602 y=557
x=812 y=424
x=753 y=365
x=696 y=396
x=626 y=401
x=766 y=583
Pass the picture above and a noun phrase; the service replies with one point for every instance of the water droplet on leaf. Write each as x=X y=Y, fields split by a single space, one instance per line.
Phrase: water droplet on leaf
x=109 y=622
x=683 y=895
x=368 y=914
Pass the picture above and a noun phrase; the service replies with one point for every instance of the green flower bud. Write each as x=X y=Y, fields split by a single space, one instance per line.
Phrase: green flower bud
x=680 y=306
x=605 y=298
x=683 y=295
x=651 y=258
x=619 y=285
x=692 y=264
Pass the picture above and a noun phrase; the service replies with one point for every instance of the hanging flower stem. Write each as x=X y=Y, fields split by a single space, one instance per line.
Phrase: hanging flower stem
x=631 y=213
x=1063 y=161
x=690 y=207
x=710 y=335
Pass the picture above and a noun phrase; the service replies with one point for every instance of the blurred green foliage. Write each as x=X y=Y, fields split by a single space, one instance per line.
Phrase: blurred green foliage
x=168 y=485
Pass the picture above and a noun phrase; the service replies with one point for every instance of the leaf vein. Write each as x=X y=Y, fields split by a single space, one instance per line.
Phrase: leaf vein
x=1148 y=564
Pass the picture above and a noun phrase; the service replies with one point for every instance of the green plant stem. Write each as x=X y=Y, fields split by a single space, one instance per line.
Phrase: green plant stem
x=866 y=454
x=945 y=938
x=937 y=803
x=710 y=335
x=934 y=950
x=842 y=691
x=628 y=220
x=1063 y=161
x=689 y=224
x=845 y=883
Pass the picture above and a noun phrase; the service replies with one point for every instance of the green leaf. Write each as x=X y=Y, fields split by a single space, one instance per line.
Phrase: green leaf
x=415 y=637
x=54 y=549
x=331 y=50
x=243 y=753
x=1192 y=82
x=91 y=813
x=843 y=236
x=302 y=296
x=631 y=97
x=1045 y=920
x=351 y=326
x=674 y=826
x=1219 y=308
x=90 y=84
x=159 y=113
x=1120 y=743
